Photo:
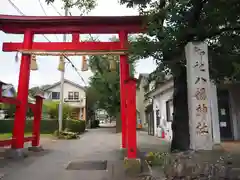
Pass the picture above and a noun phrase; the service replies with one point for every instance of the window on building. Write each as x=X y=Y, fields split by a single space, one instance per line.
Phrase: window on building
x=76 y=95
x=70 y=95
x=169 y=109
x=55 y=95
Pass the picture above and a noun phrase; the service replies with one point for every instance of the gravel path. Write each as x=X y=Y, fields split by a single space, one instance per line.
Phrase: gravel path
x=94 y=145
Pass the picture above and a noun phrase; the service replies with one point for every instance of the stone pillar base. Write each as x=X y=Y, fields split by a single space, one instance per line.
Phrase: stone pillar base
x=35 y=148
x=16 y=153
x=132 y=166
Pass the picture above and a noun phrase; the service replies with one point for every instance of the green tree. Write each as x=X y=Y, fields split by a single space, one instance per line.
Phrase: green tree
x=106 y=87
x=92 y=98
x=52 y=109
x=171 y=25
x=105 y=83
x=85 y=6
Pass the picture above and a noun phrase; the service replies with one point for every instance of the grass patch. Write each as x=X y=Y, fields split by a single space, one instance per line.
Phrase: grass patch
x=4 y=136
x=47 y=135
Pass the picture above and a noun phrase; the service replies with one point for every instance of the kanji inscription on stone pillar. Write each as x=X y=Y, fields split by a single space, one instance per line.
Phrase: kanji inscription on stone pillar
x=198 y=96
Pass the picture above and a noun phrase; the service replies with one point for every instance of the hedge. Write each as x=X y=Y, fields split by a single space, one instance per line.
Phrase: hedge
x=47 y=126
x=75 y=126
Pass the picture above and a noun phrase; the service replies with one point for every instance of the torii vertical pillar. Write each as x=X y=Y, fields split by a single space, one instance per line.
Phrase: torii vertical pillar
x=37 y=120
x=124 y=75
x=22 y=95
x=131 y=118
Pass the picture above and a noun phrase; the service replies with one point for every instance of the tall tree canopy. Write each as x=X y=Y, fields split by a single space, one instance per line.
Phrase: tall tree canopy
x=105 y=84
x=174 y=23
x=85 y=6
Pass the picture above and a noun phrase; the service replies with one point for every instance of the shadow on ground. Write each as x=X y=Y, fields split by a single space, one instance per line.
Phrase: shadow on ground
x=6 y=163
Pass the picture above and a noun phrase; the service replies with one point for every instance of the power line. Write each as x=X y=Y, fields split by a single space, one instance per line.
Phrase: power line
x=89 y=34
x=20 y=12
x=73 y=66
x=42 y=8
x=45 y=14
x=55 y=9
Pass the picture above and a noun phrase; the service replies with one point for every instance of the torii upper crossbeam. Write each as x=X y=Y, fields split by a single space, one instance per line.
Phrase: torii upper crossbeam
x=72 y=24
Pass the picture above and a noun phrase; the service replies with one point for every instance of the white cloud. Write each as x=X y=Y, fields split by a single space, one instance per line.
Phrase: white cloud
x=48 y=73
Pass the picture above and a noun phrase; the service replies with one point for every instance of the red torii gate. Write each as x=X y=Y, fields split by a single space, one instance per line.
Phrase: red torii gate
x=75 y=25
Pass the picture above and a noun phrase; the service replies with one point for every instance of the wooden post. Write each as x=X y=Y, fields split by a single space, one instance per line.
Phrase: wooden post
x=37 y=120
x=131 y=118
x=22 y=96
x=124 y=75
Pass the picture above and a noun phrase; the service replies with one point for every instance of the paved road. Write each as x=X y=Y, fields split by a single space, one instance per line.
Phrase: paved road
x=97 y=144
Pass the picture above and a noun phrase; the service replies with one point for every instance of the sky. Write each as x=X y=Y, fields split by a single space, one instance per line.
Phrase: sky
x=47 y=72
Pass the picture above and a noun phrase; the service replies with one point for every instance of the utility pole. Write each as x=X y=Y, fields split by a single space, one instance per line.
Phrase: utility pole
x=60 y=110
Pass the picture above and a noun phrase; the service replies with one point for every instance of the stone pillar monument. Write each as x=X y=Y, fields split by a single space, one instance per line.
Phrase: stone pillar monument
x=200 y=121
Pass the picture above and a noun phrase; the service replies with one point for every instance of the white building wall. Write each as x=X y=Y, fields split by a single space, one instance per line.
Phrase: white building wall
x=67 y=88
x=159 y=102
x=165 y=93
x=140 y=103
x=214 y=113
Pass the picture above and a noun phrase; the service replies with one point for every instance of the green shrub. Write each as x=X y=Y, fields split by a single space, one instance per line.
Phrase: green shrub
x=6 y=126
x=47 y=126
x=157 y=158
x=76 y=126
x=51 y=108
